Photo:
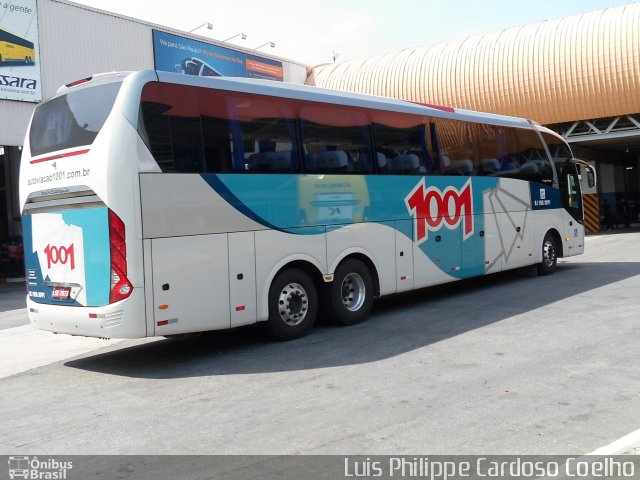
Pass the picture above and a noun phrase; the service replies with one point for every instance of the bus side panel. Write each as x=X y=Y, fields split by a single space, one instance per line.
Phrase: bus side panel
x=185 y=204
x=574 y=232
x=148 y=288
x=478 y=257
x=242 y=278
x=442 y=257
x=546 y=220
x=492 y=243
x=511 y=204
x=190 y=284
x=404 y=255
x=549 y=214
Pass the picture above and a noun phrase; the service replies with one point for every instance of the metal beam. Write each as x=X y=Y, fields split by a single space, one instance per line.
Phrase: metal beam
x=611 y=128
x=604 y=136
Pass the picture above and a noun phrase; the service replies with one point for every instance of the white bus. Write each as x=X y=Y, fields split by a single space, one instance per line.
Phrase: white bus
x=158 y=204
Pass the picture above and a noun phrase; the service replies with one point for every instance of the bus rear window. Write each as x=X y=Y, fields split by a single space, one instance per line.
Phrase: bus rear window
x=71 y=120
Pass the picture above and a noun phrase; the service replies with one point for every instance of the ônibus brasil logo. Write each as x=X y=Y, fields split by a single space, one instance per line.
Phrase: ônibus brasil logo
x=432 y=208
x=34 y=469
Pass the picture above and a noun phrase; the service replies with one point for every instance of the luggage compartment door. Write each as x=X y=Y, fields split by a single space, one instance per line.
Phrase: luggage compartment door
x=190 y=284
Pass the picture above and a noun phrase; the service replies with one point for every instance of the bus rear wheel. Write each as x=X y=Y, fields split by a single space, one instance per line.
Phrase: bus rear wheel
x=293 y=305
x=348 y=299
x=549 y=256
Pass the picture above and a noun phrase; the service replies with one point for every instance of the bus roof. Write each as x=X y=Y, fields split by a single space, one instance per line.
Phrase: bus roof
x=299 y=92
x=306 y=92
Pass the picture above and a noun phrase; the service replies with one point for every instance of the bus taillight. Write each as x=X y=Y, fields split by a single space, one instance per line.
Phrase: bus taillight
x=121 y=288
x=78 y=82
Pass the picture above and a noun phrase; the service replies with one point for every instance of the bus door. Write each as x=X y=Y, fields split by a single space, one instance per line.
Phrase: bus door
x=573 y=229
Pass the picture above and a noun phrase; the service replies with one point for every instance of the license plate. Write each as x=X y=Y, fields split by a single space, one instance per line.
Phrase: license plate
x=61 y=293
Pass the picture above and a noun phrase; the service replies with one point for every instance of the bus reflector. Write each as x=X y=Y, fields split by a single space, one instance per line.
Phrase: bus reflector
x=121 y=288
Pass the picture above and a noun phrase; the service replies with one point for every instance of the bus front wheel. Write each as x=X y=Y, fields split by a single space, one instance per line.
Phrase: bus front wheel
x=348 y=299
x=293 y=304
x=549 y=255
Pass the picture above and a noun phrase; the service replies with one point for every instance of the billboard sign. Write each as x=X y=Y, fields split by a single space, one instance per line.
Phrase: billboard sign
x=173 y=53
x=19 y=51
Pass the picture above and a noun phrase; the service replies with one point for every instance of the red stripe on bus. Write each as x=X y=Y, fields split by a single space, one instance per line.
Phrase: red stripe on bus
x=437 y=107
x=61 y=155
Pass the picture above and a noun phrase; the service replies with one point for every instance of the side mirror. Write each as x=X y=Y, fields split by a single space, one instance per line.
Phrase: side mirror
x=591 y=178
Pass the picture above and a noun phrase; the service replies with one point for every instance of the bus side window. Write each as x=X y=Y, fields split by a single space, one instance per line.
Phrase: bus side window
x=158 y=133
x=171 y=117
x=402 y=140
x=525 y=157
x=186 y=137
x=217 y=144
x=216 y=132
x=263 y=132
x=268 y=145
x=335 y=140
x=456 y=144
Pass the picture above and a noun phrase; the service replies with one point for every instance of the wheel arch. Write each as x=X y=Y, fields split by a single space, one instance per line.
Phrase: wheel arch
x=557 y=238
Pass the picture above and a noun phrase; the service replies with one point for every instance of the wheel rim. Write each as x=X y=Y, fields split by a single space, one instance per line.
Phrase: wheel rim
x=549 y=253
x=293 y=304
x=353 y=292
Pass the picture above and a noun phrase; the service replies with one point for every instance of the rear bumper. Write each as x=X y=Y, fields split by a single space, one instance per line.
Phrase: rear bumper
x=124 y=319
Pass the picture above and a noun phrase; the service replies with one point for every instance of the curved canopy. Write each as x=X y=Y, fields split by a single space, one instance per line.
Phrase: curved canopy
x=572 y=68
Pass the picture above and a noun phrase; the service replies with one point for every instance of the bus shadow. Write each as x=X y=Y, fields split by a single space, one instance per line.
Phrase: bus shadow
x=398 y=324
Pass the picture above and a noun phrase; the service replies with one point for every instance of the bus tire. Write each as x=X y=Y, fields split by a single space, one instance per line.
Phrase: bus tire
x=549 y=255
x=348 y=299
x=293 y=305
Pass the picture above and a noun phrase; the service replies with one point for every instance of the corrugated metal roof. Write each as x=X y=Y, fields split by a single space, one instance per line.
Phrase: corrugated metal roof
x=579 y=67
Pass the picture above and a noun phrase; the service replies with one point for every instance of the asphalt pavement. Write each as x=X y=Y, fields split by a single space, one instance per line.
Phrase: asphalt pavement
x=22 y=349
x=12 y=305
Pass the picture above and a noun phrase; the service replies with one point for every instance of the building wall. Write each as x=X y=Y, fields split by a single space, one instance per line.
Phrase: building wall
x=14 y=118
x=78 y=41
x=92 y=42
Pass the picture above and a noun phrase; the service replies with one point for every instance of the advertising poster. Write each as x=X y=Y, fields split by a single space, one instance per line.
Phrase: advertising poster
x=19 y=51
x=173 y=53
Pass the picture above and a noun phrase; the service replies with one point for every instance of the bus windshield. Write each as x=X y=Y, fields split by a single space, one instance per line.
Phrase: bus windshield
x=71 y=120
